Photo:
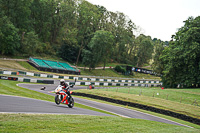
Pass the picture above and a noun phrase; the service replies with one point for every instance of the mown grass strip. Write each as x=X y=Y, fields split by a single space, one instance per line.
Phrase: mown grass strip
x=76 y=123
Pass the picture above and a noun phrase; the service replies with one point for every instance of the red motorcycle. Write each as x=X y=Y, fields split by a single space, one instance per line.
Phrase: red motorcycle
x=62 y=97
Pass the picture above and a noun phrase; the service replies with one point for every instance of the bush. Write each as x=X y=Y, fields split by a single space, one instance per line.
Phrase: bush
x=120 y=69
x=123 y=70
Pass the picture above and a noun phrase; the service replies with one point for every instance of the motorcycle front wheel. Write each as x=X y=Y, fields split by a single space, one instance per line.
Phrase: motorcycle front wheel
x=71 y=103
x=57 y=99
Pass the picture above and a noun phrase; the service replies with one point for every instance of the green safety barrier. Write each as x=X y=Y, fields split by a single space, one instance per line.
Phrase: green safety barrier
x=39 y=81
x=37 y=75
x=80 y=78
x=101 y=84
x=109 y=84
x=49 y=76
x=82 y=83
x=13 y=73
x=27 y=80
x=21 y=72
x=117 y=84
x=61 y=77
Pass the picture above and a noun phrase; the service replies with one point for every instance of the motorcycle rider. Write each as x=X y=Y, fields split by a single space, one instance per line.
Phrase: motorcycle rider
x=65 y=88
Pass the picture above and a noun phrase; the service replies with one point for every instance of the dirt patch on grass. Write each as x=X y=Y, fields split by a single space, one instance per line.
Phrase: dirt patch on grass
x=11 y=64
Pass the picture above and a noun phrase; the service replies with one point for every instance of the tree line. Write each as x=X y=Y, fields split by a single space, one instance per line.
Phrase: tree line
x=74 y=30
x=80 y=32
x=179 y=62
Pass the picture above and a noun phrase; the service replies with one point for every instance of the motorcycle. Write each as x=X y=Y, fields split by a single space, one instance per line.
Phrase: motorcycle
x=62 y=97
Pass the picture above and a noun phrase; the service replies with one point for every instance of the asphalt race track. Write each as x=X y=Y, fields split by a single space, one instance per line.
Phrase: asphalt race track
x=19 y=104
x=15 y=104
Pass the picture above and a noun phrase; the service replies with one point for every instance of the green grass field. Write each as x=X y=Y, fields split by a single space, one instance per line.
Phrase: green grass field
x=186 y=96
x=76 y=123
x=32 y=123
x=73 y=123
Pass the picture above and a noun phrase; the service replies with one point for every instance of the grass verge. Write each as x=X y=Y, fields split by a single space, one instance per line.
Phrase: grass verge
x=77 y=123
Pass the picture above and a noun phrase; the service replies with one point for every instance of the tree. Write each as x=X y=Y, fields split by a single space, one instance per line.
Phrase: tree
x=122 y=28
x=42 y=12
x=157 y=65
x=182 y=58
x=68 y=50
x=9 y=39
x=64 y=17
x=88 y=59
x=100 y=47
x=18 y=11
x=87 y=20
x=145 y=50
x=30 y=44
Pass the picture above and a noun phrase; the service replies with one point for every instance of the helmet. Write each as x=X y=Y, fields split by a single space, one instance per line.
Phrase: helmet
x=62 y=82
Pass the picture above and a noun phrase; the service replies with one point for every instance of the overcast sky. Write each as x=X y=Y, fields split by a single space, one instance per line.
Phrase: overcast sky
x=158 y=18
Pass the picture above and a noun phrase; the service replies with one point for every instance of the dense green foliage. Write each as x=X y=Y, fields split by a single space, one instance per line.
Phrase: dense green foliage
x=9 y=38
x=99 y=48
x=118 y=68
x=72 y=30
x=181 y=60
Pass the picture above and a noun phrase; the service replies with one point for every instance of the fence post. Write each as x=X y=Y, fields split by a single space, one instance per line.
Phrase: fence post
x=181 y=99
x=140 y=92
